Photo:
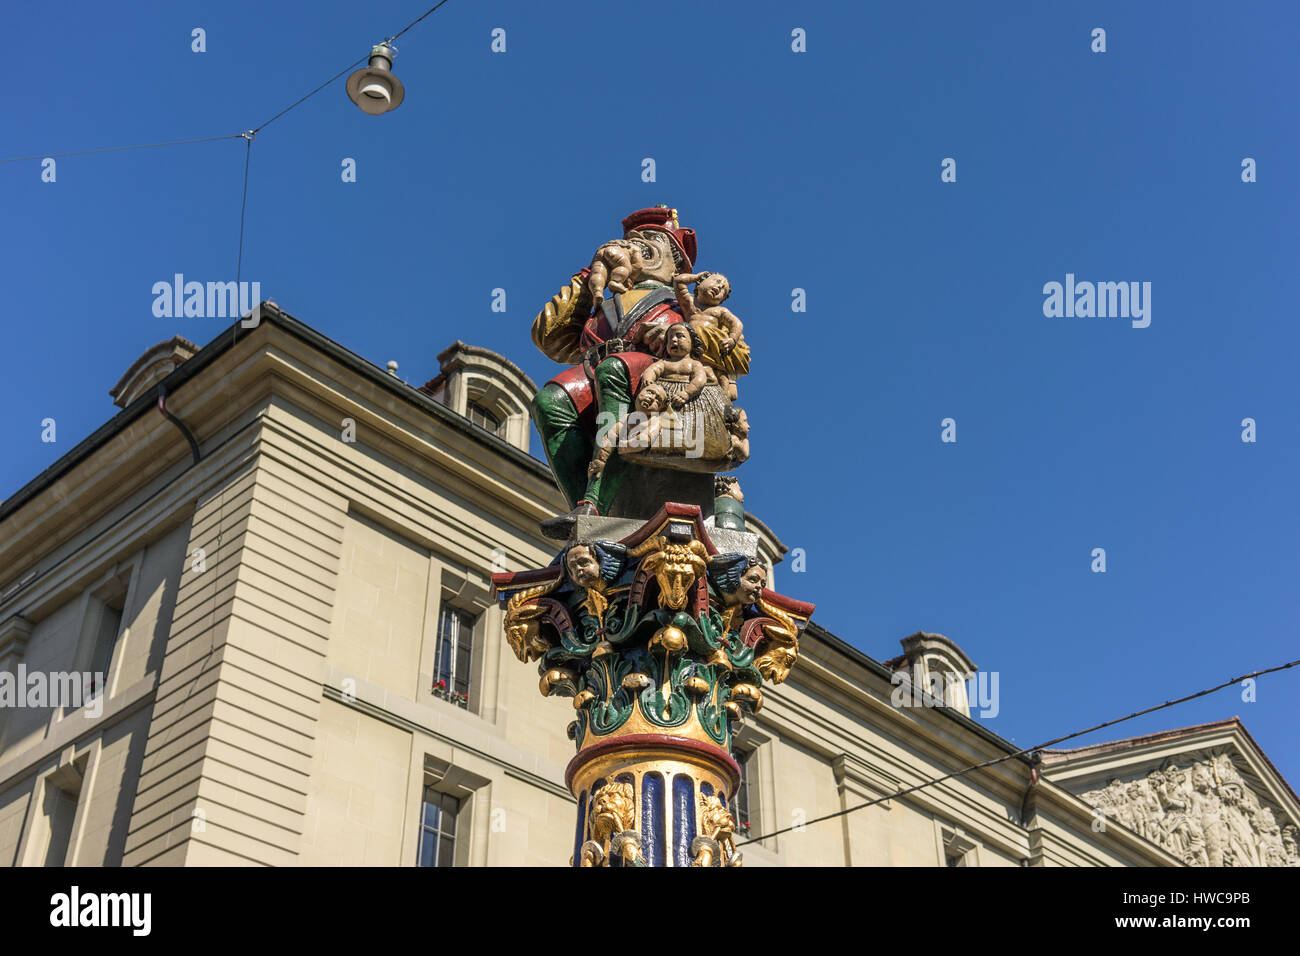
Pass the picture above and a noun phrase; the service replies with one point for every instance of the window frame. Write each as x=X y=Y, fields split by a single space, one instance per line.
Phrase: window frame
x=458 y=678
x=743 y=798
x=461 y=587
x=112 y=594
x=475 y=410
x=74 y=775
x=449 y=806
x=758 y=775
x=456 y=780
x=956 y=847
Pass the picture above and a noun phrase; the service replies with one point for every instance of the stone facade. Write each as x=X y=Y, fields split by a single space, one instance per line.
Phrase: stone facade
x=269 y=615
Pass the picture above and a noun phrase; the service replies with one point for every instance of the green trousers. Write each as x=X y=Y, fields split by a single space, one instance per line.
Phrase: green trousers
x=569 y=442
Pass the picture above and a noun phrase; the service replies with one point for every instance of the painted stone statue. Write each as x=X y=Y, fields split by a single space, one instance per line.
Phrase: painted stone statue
x=615 y=324
x=661 y=630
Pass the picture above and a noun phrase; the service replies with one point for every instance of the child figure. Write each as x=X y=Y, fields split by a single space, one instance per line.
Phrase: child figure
x=737 y=422
x=627 y=266
x=633 y=434
x=706 y=309
x=682 y=349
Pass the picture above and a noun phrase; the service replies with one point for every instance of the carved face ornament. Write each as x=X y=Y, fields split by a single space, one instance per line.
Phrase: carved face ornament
x=611 y=810
x=716 y=820
x=675 y=565
x=752 y=583
x=582 y=567
x=774 y=662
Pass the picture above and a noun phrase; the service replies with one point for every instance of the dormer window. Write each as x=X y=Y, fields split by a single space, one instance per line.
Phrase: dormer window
x=488 y=389
x=481 y=417
x=938 y=666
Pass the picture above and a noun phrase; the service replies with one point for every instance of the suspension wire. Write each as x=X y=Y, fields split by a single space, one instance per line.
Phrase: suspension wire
x=243 y=205
x=118 y=149
x=1021 y=753
x=208 y=139
x=347 y=69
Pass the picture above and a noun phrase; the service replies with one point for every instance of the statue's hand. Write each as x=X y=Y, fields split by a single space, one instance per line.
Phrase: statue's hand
x=652 y=336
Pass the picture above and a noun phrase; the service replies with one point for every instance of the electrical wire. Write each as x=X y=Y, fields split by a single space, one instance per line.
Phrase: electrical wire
x=116 y=149
x=247 y=136
x=1019 y=753
x=298 y=102
x=208 y=139
x=351 y=66
x=243 y=206
x=415 y=21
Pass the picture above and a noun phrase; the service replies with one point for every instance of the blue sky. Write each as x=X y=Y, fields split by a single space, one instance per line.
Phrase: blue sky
x=816 y=170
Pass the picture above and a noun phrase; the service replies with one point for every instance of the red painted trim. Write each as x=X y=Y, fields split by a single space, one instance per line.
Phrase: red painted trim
x=514 y=580
x=671 y=510
x=751 y=632
x=640 y=741
x=788 y=604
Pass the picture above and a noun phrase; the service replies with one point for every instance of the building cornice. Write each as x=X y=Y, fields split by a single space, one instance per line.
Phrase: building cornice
x=271 y=315
x=139 y=453
x=1115 y=758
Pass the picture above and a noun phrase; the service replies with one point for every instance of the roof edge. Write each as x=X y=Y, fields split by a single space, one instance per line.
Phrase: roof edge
x=222 y=343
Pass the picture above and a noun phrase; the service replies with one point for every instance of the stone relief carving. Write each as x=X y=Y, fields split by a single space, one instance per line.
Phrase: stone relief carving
x=1202 y=811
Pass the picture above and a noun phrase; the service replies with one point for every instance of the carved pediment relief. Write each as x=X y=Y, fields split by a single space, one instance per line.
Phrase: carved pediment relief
x=1204 y=807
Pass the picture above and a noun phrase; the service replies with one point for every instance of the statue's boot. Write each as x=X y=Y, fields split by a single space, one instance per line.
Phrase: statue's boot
x=561 y=526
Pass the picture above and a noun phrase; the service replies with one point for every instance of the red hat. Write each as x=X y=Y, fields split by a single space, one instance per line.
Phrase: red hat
x=665 y=220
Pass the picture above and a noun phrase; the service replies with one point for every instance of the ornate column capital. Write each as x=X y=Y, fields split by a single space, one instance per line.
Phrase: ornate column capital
x=663 y=642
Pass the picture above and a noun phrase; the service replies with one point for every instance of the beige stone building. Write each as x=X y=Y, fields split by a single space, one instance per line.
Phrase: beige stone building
x=274 y=563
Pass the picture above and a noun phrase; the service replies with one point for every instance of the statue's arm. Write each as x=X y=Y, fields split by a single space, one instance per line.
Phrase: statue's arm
x=609 y=441
x=683 y=294
x=730 y=322
x=605 y=447
x=557 y=330
x=699 y=378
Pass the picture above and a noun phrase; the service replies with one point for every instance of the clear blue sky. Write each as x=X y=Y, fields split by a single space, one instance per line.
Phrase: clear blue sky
x=818 y=170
